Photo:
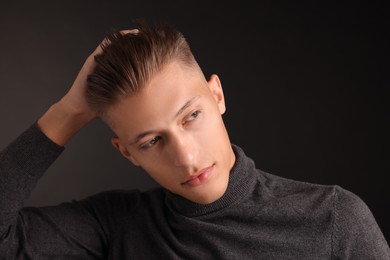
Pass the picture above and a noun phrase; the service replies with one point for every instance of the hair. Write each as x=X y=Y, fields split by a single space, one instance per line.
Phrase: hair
x=129 y=60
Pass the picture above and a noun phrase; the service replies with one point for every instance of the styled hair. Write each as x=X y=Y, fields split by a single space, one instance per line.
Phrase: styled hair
x=129 y=60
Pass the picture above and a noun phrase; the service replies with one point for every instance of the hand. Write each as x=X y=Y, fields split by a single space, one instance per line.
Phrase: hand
x=66 y=117
x=75 y=101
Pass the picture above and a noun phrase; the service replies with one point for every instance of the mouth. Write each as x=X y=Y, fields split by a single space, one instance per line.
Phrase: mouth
x=199 y=177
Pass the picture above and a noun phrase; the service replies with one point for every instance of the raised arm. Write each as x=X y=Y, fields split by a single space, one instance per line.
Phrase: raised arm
x=77 y=230
x=66 y=117
x=67 y=229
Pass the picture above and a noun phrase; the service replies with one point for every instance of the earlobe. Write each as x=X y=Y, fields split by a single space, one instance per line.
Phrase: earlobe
x=217 y=92
x=123 y=150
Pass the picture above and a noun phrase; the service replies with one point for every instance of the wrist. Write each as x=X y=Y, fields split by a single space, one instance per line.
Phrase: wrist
x=61 y=122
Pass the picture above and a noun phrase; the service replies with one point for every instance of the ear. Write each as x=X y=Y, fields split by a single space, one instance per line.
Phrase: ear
x=215 y=87
x=123 y=150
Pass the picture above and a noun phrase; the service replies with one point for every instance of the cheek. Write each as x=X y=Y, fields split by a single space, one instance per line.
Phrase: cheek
x=214 y=127
x=154 y=162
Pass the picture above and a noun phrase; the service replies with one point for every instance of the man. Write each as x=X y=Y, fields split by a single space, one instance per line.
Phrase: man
x=213 y=203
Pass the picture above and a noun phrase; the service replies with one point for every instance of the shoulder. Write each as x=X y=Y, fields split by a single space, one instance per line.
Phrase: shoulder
x=280 y=187
x=350 y=212
x=311 y=204
x=348 y=203
x=356 y=233
x=353 y=230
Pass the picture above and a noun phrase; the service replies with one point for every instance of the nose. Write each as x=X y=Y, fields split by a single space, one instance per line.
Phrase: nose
x=184 y=150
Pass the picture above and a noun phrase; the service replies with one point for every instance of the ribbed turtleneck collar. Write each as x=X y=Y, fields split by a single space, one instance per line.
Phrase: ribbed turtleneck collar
x=241 y=179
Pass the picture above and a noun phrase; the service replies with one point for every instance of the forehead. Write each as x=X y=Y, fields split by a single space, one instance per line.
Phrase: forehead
x=158 y=101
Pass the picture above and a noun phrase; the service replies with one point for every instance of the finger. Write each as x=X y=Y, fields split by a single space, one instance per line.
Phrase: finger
x=98 y=49
x=133 y=31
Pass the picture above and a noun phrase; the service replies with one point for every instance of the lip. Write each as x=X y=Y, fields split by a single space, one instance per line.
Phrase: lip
x=199 y=177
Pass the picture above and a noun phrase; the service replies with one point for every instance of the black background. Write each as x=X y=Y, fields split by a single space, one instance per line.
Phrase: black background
x=304 y=83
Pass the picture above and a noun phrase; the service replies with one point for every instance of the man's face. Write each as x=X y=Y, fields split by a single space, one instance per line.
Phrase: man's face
x=174 y=130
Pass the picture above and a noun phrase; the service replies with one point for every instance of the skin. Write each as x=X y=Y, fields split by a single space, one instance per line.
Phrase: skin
x=181 y=114
x=183 y=147
x=71 y=113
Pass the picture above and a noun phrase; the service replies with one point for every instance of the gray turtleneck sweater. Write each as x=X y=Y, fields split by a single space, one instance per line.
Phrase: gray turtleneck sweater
x=260 y=216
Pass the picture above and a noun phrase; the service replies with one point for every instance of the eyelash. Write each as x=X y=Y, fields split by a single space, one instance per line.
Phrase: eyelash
x=194 y=114
x=152 y=142
x=156 y=139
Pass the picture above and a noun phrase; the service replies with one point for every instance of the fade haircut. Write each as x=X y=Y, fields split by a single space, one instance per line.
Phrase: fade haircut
x=129 y=60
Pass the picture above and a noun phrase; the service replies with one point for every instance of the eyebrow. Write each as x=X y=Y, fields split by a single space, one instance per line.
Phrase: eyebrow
x=185 y=106
x=178 y=113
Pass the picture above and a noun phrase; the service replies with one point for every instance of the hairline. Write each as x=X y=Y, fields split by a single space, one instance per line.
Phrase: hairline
x=192 y=68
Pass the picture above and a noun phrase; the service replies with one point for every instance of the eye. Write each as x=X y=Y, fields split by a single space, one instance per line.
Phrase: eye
x=193 y=115
x=152 y=142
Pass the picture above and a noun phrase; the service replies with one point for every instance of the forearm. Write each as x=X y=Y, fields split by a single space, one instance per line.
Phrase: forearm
x=61 y=122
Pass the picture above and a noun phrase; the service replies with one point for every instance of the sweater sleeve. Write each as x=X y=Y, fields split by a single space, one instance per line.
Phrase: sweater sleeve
x=66 y=230
x=356 y=234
